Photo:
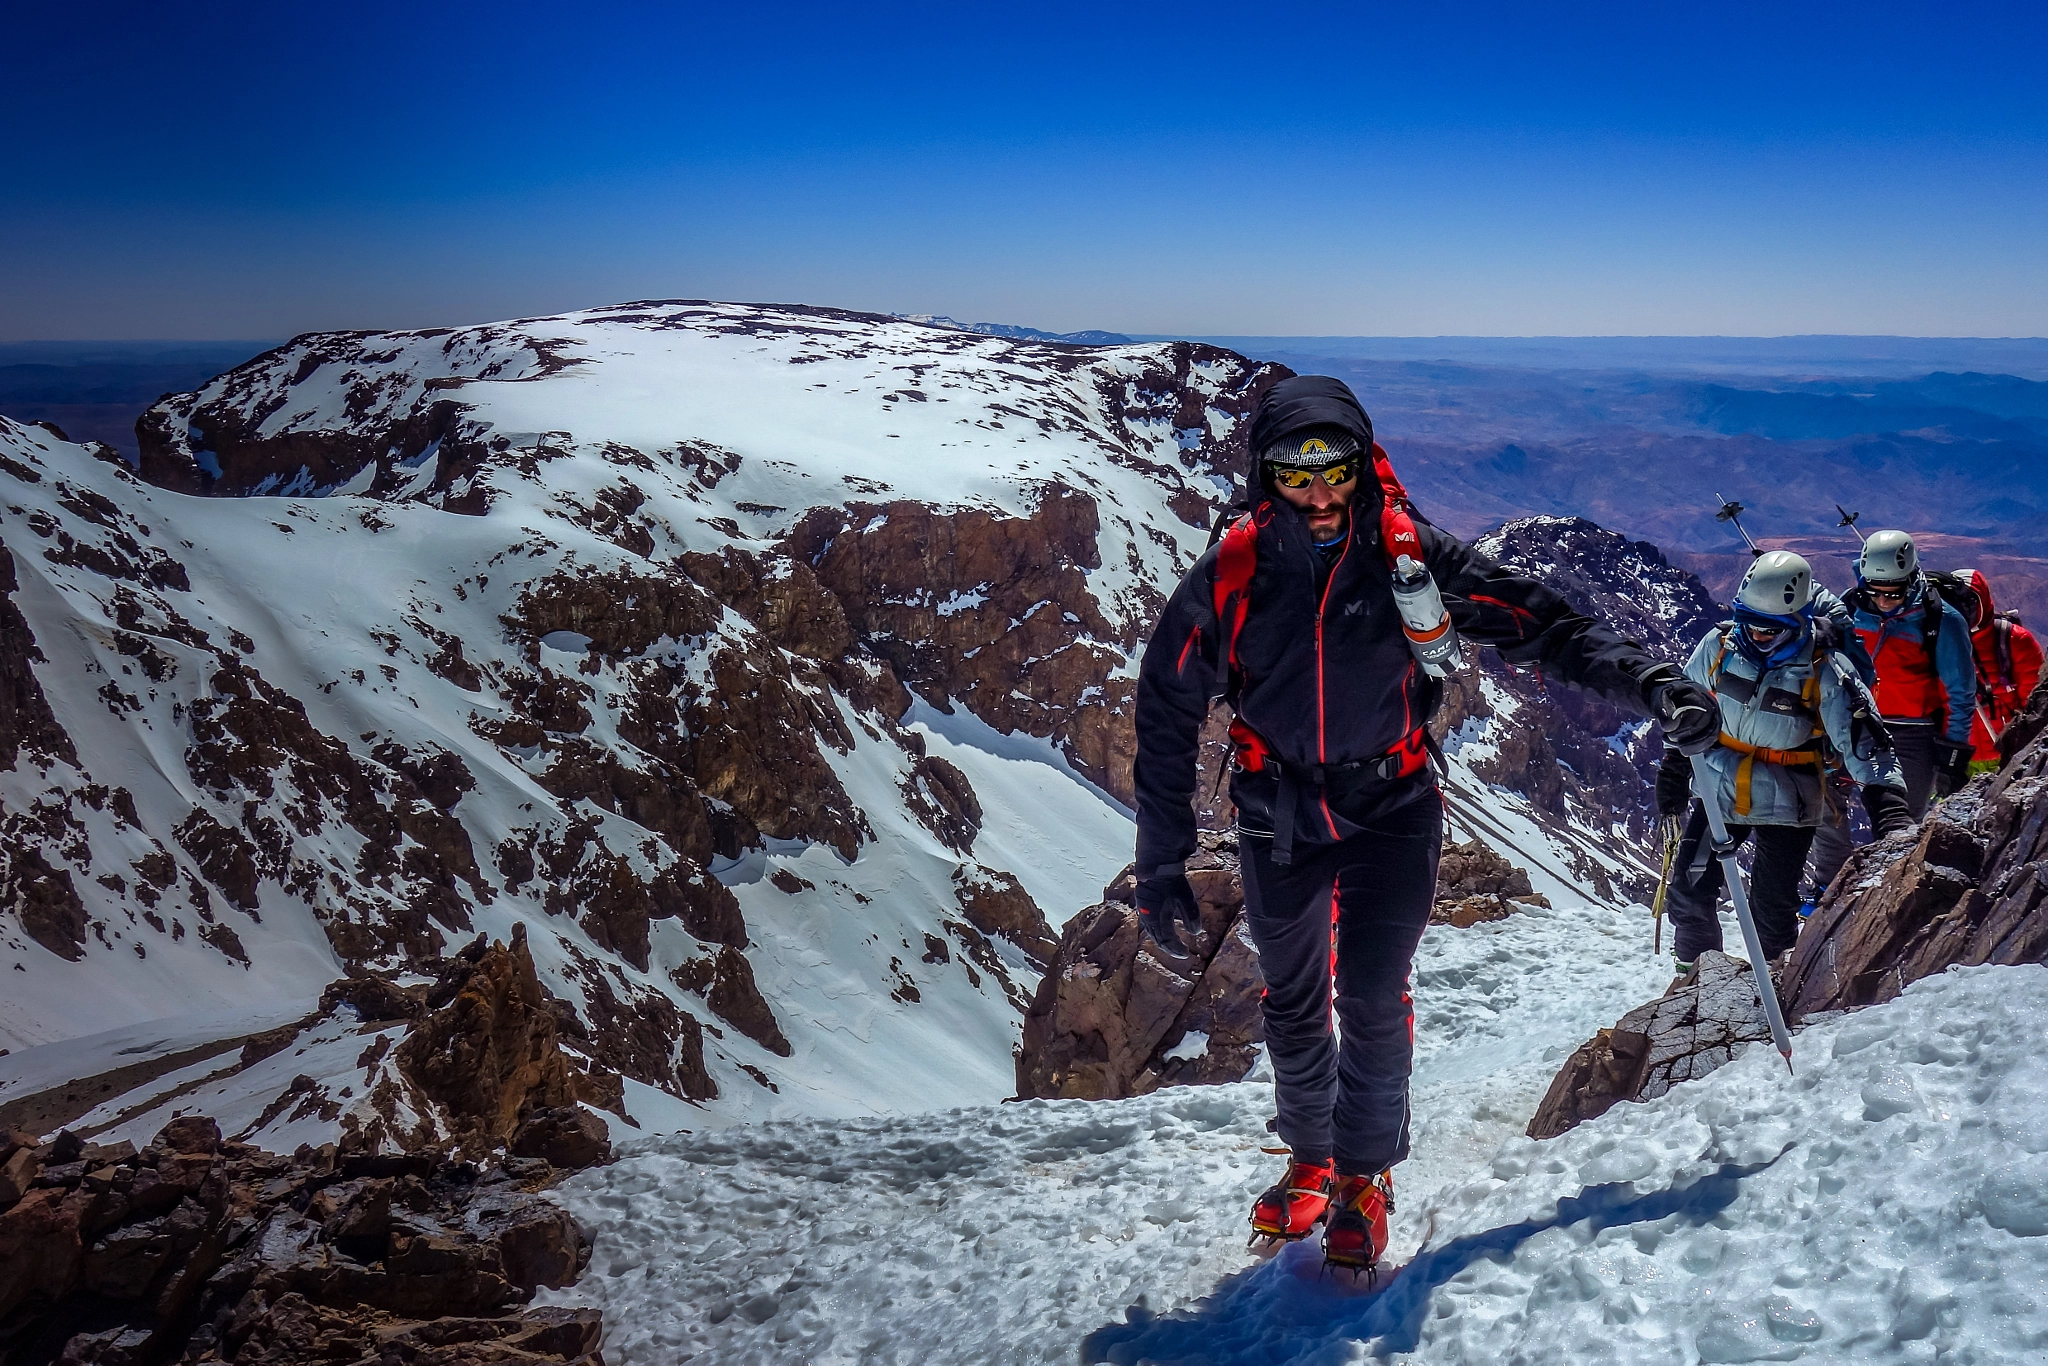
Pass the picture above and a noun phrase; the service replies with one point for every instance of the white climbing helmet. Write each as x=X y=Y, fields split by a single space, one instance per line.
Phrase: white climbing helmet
x=1779 y=584
x=1888 y=557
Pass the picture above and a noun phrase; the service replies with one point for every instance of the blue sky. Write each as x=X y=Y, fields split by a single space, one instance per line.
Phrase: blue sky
x=255 y=170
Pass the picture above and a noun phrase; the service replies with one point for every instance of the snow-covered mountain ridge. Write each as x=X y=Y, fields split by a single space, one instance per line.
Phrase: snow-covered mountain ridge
x=599 y=624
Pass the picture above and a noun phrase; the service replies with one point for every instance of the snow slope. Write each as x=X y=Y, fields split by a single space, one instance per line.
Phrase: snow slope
x=1890 y=1203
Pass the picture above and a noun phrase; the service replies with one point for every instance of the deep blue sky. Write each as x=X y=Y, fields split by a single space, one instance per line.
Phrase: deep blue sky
x=238 y=170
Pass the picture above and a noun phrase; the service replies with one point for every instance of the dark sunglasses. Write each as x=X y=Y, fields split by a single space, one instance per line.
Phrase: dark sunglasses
x=1287 y=477
x=1894 y=594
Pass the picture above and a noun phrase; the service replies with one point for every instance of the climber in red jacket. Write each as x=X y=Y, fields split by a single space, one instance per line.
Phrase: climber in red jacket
x=2008 y=661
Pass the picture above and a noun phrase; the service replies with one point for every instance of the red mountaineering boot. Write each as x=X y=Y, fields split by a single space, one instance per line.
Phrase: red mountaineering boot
x=1356 y=1234
x=1296 y=1203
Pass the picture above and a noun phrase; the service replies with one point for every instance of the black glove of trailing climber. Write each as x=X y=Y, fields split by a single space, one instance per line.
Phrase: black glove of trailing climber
x=1889 y=813
x=1691 y=715
x=1674 y=783
x=1951 y=766
x=1163 y=899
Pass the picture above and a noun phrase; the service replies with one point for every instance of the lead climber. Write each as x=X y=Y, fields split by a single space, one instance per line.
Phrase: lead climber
x=1326 y=616
x=1790 y=709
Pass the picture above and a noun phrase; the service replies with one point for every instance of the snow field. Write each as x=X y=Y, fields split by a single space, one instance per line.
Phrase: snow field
x=1889 y=1203
x=1010 y=1233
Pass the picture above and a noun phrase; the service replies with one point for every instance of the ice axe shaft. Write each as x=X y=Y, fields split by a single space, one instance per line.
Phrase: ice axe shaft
x=1670 y=830
x=1717 y=828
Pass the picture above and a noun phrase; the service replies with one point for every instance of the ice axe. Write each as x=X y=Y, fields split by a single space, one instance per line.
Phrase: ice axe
x=1724 y=850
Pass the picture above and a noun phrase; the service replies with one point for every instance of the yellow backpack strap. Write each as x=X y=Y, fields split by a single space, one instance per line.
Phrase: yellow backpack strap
x=1743 y=772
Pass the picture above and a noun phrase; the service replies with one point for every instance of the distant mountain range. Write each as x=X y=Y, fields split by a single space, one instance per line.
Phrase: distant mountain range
x=1091 y=337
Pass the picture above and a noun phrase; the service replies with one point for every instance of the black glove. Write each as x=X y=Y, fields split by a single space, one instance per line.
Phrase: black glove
x=1162 y=900
x=1674 y=783
x=1691 y=715
x=1951 y=766
x=1889 y=813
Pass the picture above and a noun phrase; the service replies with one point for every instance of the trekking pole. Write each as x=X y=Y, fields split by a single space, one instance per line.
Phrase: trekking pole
x=1849 y=521
x=1724 y=850
x=1670 y=827
x=1731 y=511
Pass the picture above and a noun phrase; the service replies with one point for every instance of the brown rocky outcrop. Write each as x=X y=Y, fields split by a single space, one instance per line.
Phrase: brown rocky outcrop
x=486 y=1051
x=1114 y=1016
x=986 y=610
x=1682 y=1035
x=996 y=903
x=1474 y=885
x=195 y=1249
x=26 y=721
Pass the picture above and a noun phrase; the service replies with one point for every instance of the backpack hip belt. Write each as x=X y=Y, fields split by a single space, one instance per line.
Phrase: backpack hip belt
x=1808 y=757
x=1404 y=758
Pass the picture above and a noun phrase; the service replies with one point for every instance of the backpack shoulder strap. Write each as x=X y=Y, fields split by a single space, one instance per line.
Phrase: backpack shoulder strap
x=1237 y=557
x=1397 y=521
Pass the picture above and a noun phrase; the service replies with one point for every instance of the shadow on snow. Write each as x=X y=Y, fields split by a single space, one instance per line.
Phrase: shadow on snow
x=1266 y=1312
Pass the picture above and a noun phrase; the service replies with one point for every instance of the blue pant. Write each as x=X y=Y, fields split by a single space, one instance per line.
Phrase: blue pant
x=1369 y=897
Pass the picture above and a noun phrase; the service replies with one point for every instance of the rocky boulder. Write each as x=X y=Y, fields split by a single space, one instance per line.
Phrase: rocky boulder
x=195 y=1248
x=1688 y=1032
x=487 y=1052
x=1474 y=884
x=1114 y=1016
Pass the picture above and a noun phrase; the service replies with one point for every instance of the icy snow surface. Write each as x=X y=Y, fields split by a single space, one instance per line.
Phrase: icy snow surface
x=1008 y=1233
x=1890 y=1203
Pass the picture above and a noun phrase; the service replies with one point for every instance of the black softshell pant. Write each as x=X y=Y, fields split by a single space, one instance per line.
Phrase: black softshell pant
x=1695 y=905
x=1914 y=744
x=1348 y=1100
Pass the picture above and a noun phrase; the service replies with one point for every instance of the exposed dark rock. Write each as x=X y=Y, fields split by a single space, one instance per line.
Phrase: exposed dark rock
x=1474 y=884
x=44 y=899
x=198 y=1249
x=1968 y=891
x=938 y=794
x=726 y=981
x=1681 y=1036
x=567 y=1137
x=487 y=1052
x=26 y=721
x=996 y=903
x=1111 y=1002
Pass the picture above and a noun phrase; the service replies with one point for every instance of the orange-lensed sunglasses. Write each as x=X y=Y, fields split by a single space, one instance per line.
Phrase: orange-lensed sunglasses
x=1287 y=477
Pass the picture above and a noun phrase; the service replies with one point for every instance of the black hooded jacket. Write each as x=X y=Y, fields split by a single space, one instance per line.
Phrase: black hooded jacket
x=1324 y=677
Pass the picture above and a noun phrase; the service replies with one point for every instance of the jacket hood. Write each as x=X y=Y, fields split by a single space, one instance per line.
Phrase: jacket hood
x=1976 y=582
x=1305 y=401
